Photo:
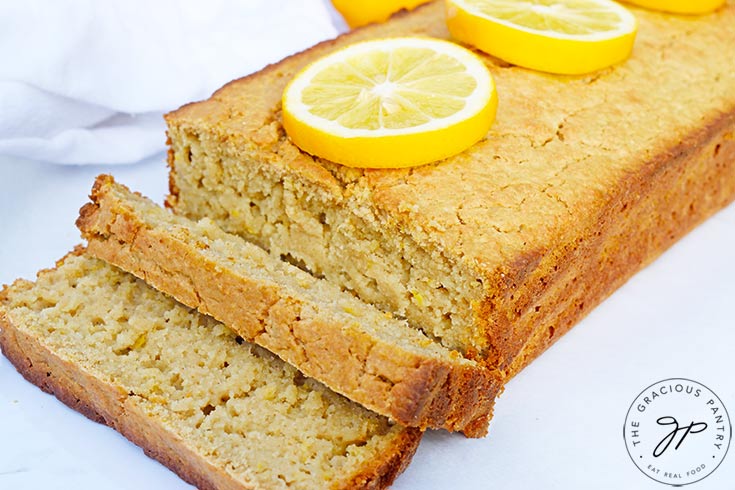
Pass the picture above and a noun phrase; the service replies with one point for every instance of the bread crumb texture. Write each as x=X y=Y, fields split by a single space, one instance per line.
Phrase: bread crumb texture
x=350 y=346
x=236 y=405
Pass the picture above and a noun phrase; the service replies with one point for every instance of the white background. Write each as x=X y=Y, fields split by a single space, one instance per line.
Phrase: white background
x=557 y=426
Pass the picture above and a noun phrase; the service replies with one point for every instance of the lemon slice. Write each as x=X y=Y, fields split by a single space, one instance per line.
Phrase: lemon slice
x=558 y=36
x=395 y=102
x=680 y=6
x=361 y=12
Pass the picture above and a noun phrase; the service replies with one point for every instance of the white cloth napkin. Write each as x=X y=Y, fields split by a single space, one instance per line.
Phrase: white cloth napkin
x=87 y=81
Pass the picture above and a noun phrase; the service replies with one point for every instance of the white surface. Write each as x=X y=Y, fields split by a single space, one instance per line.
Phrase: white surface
x=84 y=81
x=557 y=426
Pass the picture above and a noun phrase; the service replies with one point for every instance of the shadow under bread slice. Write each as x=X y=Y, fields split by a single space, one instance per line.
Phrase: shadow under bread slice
x=222 y=413
x=350 y=346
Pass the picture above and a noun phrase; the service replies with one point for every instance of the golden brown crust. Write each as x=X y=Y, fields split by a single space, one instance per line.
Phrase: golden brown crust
x=684 y=186
x=417 y=389
x=379 y=474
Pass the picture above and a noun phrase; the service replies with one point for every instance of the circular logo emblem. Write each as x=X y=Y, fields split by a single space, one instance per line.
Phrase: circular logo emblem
x=677 y=431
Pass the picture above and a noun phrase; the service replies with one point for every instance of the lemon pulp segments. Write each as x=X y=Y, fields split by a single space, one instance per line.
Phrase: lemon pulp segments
x=680 y=6
x=390 y=103
x=557 y=36
x=361 y=12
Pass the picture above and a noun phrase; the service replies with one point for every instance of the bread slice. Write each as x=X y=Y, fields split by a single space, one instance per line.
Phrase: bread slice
x=330 y=335
x=222 y=413
x=499 y=250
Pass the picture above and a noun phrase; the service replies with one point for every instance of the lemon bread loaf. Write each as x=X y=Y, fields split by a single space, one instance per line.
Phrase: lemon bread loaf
x=497 y=251
x=330 y=335
x=222 y=413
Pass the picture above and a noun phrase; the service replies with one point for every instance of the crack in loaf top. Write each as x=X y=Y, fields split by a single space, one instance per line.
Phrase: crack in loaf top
x=560 y=147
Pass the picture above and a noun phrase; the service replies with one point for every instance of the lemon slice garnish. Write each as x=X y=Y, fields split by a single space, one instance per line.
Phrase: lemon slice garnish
x=361 y=12
x=395 y=102
x=557 y=36
x=680 y=6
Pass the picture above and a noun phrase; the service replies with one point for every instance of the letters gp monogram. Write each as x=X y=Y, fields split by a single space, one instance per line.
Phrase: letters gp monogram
x=677 y=431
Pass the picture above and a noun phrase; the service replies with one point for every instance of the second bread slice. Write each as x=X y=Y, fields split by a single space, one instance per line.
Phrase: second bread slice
x=222 y=413
x=355 y=349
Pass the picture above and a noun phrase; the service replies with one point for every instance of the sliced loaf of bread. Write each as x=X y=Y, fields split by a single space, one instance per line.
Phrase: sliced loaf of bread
x=499 y=250
x=222 y=413
x=350 y=346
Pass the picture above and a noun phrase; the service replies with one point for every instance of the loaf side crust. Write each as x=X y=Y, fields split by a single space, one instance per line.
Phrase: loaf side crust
x=108 y=404
x=688 y=184
x=528 y=210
